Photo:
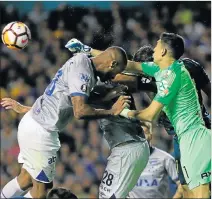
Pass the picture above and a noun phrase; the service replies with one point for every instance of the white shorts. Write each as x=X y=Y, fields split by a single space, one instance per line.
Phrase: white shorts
x=124 y=167
x=38 y=149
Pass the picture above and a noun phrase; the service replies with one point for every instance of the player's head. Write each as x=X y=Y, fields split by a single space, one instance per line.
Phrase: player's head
x=144 y=54
x=147 y=128
x=60 y=193
x=110 y=62
x=169 y=45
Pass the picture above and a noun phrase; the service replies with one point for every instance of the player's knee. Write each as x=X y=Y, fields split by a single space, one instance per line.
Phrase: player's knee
x=24 y=179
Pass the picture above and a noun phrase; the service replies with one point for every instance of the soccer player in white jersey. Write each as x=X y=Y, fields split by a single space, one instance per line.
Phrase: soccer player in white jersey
x=129 y=150
x=64 y=98
x=177 y=97
x=153 y=181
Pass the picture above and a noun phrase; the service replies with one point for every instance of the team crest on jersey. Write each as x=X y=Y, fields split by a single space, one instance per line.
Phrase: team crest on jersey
x=166 y=73
x=85 y=77
x=84 y=87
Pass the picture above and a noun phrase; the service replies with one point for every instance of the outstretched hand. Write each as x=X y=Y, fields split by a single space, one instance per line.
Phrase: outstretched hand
x=9 y=103
x=76 y=46
x=120 y=104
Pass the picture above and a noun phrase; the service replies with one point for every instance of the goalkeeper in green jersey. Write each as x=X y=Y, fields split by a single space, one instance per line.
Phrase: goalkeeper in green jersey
x=177 y=97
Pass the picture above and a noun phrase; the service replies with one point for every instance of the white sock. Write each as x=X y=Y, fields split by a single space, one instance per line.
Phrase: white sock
x=11 y=189
x=28 y=195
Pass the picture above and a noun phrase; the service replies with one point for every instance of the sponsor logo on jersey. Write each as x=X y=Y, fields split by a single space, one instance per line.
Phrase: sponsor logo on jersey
x=52 y=159
x=206 y=175
x=146 y=80
x=147 y=183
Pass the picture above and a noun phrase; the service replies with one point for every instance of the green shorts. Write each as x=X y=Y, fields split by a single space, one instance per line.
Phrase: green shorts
x=195 y=147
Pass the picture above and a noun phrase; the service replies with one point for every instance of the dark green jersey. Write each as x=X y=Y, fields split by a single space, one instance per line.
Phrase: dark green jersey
x=177 y=92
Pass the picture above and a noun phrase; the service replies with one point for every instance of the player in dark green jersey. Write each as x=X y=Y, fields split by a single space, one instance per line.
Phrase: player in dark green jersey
x=177 y=97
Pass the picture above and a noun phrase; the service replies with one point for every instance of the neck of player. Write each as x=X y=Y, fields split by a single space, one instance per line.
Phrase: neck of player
x=166 y=62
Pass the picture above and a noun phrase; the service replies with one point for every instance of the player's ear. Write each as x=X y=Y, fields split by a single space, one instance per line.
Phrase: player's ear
x=114 y=63
x=164 y=51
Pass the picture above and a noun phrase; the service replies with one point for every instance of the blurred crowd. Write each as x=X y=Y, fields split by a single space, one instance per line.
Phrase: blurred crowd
x=25 y=74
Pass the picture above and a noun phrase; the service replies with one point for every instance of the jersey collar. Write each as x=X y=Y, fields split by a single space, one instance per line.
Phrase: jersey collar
x=175 y=63
x=151 y=148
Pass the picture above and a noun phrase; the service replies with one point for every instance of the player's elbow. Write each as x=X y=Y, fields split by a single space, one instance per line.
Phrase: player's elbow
x=83 y=111
x=78 y=115
x=150 y=118
x=81 y=114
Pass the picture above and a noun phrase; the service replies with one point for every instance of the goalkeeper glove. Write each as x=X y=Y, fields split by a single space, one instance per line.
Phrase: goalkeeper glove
x=76 y=46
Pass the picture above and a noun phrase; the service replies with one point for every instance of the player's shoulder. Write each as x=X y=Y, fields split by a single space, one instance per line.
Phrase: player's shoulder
x=190 y=63
x=79 y=61
x=163 y=154
x=80 y=56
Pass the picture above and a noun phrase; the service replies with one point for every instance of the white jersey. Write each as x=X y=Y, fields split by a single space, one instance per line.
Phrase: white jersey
x=153 y=182
x=53 y=110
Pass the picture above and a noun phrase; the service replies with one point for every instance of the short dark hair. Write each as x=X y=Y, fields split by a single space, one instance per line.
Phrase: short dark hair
x=123 y=55
x=174 y=42
x=144 y=54
x=121 y=52
x=60 y=193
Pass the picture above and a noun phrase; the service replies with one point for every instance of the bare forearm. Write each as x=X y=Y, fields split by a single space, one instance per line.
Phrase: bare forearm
x=130 y=81
x=11 y=104
x=134 y=67
x=87 y=112
x=23 y=109
x=148 y=114
x=142 y=115
x=95 y=52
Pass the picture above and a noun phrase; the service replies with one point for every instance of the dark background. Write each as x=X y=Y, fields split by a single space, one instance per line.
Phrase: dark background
x=25 y=74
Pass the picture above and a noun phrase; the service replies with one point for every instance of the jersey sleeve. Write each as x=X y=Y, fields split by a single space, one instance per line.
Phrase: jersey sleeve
x=170 y=167
x=167 y=88
x=149 y=68
x=202 y=78
x=197 y=72
x=79 y=77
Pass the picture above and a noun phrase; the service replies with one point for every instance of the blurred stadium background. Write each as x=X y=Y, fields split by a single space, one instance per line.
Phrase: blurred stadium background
x=25 y=74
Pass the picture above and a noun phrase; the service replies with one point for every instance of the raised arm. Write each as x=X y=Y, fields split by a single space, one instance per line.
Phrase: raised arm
x=82 y=110
x=148 y=114
x=135 y=67
x=76 y=46
x=95 y=52
x=132 y=66
x=9 y=103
